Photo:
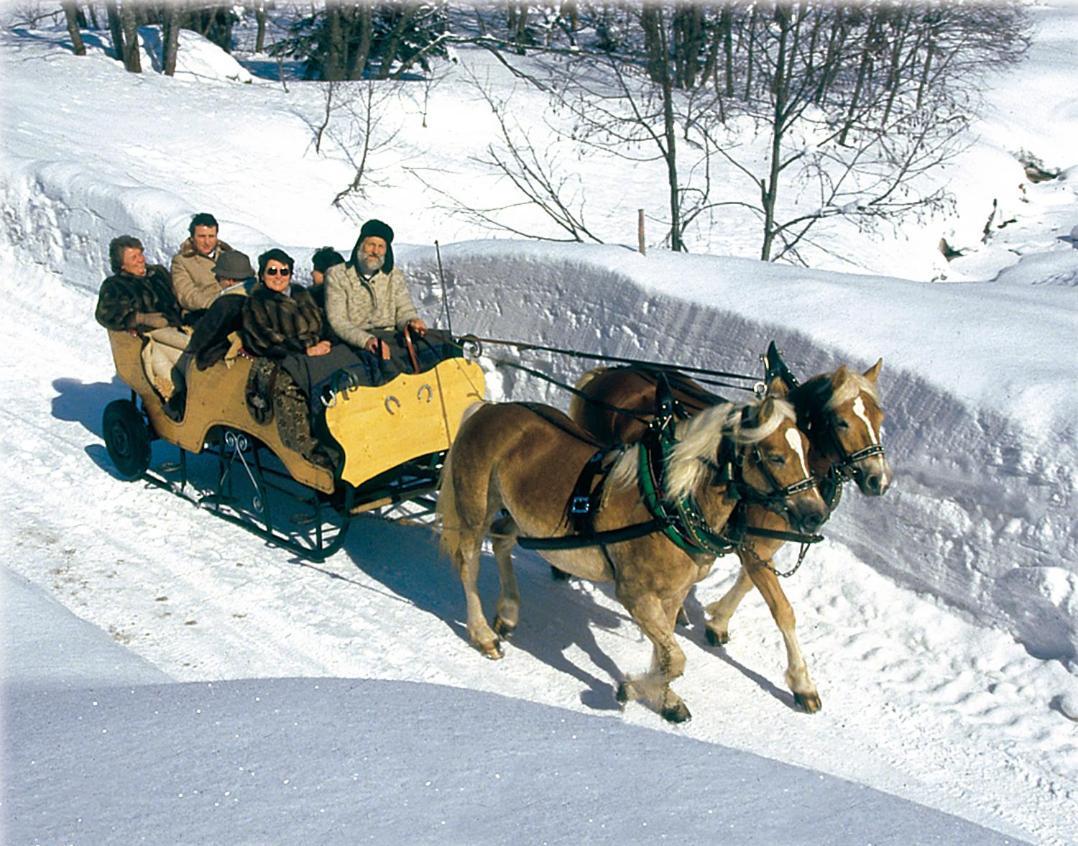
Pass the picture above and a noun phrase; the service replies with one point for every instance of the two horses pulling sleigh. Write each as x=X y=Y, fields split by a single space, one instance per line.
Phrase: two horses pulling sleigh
x=712 y=478
x=644 y=483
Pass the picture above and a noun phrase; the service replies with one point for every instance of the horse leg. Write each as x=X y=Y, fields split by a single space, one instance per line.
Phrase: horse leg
x=656 y=620
x=480 y=634
x=464 y=519
x=797 y=674
x=503 y=534
x=719 y=613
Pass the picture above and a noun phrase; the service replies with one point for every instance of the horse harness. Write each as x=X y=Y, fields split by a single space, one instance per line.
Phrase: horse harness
x=682 y=521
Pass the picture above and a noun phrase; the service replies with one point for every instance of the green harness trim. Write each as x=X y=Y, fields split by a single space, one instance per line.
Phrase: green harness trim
x=683 y=523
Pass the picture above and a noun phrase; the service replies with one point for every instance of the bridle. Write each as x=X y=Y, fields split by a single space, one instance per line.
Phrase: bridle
x=846 y=466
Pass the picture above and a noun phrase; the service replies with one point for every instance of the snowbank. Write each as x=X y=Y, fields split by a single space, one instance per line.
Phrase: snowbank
x=980 y=414
x=980 y=424
x=357 y=760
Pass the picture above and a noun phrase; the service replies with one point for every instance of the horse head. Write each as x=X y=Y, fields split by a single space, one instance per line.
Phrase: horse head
x=841 y=414
x=767 y=454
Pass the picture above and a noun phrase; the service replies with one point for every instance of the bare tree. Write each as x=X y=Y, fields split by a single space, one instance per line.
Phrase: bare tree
x=260 y=18
x=863 y=105
x=170 y=38
x=353 y=126
x=533 y=173
x=71 y=15
x=129 y=24
x=116 y=29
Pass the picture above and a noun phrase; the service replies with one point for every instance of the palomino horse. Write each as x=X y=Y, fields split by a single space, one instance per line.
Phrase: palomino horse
x=840 y=412
x=513 y=468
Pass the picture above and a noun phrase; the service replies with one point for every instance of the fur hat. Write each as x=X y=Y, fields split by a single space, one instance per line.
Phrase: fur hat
x=377 y=229
x=325 y=258
x=233 y=265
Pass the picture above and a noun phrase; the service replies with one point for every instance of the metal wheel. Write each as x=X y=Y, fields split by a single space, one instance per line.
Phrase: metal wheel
x=127 y=438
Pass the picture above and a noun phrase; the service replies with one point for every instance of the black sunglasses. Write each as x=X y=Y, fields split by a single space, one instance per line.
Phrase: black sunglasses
x=283 y=271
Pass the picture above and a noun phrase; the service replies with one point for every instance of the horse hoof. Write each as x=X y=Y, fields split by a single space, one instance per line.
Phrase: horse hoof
x=682 y=617
x=808 y=702
x=493 y=651
x=558 y=575
x=717 y=638
x=677 y=713
x=502 y=628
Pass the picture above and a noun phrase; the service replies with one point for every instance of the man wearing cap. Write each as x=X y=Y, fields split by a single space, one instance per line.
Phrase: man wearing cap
x=368 y=293
x=215 y=336
x=193 y=277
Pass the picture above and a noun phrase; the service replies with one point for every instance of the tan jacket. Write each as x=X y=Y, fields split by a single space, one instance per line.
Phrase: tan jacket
x=192 y=276
x=354 y=305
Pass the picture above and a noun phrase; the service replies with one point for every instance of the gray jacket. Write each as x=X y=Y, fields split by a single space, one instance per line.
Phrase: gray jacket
x=355 y=305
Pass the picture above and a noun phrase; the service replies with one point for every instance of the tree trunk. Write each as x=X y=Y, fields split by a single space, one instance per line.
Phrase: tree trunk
x=407 y=13
x=335 y=61
x=116 y=29
x=71 y=15
x=652 y=21
x=360 y=36
x=130 y=26
x=781 y=88
x=170 y=38
x=260 y=37
x=726 y=29
x=749 y=58
x=863 y=71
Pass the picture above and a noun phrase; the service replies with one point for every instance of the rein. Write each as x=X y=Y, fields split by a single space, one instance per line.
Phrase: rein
x=476 y=343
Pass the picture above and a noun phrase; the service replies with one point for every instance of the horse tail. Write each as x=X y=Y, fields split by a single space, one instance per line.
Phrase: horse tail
x=447 y=515
x=577 y=403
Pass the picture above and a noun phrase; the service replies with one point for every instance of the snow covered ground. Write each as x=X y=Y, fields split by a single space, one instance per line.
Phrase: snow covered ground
x=940 y=623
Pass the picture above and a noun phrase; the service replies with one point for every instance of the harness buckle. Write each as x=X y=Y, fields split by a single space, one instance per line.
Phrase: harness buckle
x=580 y=505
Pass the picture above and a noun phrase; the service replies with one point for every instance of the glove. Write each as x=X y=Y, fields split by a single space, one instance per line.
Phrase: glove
x=150 y=320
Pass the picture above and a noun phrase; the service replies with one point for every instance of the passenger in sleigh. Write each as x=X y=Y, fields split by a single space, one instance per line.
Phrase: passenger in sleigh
x=323 y=259
x=369 y=306
x=215 y=336
x=195 y=280
x=138 y=298
x=284 y=328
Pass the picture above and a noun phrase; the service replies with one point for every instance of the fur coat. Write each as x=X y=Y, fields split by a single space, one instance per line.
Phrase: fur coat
x=124 y=298
x=276 y=325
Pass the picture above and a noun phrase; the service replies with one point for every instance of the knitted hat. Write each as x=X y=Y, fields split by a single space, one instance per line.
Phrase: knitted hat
x=233 y=265
x=376 y=229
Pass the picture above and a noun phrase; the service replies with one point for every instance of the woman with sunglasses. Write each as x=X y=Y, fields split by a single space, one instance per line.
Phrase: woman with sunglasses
x=283 y=324
x=280 y=318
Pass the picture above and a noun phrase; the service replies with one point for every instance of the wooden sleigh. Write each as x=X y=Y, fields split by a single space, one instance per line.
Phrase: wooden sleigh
x=392 y=437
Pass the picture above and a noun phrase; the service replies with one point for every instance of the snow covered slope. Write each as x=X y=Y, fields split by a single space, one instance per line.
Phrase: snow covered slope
x=939 y=621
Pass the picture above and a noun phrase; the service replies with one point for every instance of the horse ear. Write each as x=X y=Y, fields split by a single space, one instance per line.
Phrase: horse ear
x=874 y=371
x=766 y=409
x=777 y=387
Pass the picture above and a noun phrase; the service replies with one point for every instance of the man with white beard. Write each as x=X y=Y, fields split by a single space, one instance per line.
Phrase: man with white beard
x=368 y=293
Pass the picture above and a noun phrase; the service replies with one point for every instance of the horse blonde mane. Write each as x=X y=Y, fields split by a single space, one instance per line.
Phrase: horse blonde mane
x=690 y=463
x=849 y=387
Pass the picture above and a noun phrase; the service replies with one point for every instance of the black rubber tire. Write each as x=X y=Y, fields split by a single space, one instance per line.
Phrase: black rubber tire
x=127 y=439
